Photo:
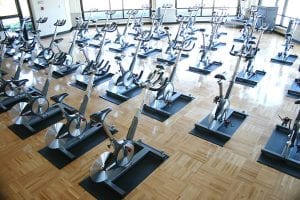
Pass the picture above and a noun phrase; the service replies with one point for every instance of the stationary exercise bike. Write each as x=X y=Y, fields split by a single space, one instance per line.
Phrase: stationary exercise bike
x=36 y=37
x=249 y=75
x=189 y=28
x=64 y=61
x=282 y=150
x=125 y=81
x=285 y=57
x=76 y=128
x=205 y=65
x=102 y=72
x=123 y=151
x=158 y=33
x=44 y=57
x=137 y=25
x=11 y=88
x=121 y=42
x=294 y=136
x=169 y=56
x=35 y=109
x=165 y=96
x=220 y=112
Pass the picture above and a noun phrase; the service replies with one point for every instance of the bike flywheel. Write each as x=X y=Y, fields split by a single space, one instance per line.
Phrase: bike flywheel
x=15 y=112
x=97 y=172
x=51 y=139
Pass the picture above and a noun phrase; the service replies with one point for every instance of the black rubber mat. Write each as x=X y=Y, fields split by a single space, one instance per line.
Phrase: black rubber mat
x=61 y=72
x=288 y=61
x=166 y=112
x=252 y=81
x=60 y=160
x=294 y=90
x=23 y=132
x=221 y=135
x=117 y=99
x=205 y=70
x=7 y=103
x=271 y=154
x=97 y=81
x=127 y=181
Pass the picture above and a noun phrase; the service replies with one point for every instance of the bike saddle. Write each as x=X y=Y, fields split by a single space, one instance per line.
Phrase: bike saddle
x=202 y=29
x=82 y=44
x=118 y=58
x=160 y=67
x=58 y=40
x=59 y=98
x=100 y=116
x=94 y=21
x=251 y=42
x=220 y=76
x=19 y=83
x=297 y=101
x=167 y=28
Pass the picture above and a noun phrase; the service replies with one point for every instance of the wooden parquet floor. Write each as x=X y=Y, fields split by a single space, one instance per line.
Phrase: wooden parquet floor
x=196 y=168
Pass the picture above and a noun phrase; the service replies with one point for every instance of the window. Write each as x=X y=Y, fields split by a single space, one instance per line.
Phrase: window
x=207 y=6
x=8 y=8
x=96 y=9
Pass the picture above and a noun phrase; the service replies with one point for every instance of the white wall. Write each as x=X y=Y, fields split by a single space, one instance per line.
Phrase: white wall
x=54 y=10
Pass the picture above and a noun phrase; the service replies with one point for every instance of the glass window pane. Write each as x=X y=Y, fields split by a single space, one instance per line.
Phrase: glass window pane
x=24 y=8
x=293 y=9
x=222 y=3
x=92 y=5
x=186 y=4
x=270 y=3
x=12 y=23
x=135 y=4
x=8 y=7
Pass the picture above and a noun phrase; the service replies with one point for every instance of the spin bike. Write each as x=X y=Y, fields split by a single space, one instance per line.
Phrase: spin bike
x=282 y=151
x=125 y=155
x=64 y=61
x=14 y=91
x=35 y=113
x=63 y=136
x=285 y=57
x=249 y=75
x=44 y=57
x=219 y=126
x=36 y=37
x=189 y=28
x=169 y=56
x=102 y=72
x=121 y=43
x=205 y=65
x=123 y=85
x=146 y=49
x=165 y=101
x=159 y=18
x=137 y=25
x=96 y=41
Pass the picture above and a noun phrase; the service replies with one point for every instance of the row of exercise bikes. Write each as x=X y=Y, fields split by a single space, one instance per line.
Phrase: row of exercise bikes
x=71 y=133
